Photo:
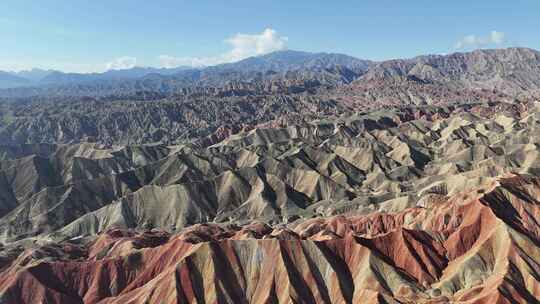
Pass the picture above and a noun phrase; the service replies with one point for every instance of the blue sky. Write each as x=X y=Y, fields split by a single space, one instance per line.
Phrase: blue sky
x=87 y=36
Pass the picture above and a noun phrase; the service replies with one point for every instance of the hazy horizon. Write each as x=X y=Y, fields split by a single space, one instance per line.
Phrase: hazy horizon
x=206 y=66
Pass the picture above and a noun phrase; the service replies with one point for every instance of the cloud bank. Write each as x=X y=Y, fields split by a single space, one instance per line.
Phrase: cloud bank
x=122 y=63
x=242 y=46
x=473 y=41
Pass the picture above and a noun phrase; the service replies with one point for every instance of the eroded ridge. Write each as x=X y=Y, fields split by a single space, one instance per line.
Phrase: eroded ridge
x=477 y=246
x=434 y=205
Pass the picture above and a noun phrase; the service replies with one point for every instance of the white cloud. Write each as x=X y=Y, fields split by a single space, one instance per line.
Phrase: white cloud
x=245 y=45
x=242 y=46
x=21 y=64
x=122 y=63
x=497 y=37
x=473 y=41
x=166 y=61
x=55 y=65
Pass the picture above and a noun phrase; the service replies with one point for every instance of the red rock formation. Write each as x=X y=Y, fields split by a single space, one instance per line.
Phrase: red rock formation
x=476 y=247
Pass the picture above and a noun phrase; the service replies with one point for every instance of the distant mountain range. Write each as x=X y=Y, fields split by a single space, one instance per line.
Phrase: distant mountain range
x=34 y=75
x=425 y=79
x=39 y=77
x=57 y=77
x=9 y=80
x=281 y=61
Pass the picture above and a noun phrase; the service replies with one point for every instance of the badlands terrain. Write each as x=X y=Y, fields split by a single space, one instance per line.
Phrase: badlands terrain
x=287 y=178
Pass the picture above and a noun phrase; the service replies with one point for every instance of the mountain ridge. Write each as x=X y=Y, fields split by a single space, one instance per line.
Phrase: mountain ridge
x=510 y=71
x=8 y=80
x=278 y=61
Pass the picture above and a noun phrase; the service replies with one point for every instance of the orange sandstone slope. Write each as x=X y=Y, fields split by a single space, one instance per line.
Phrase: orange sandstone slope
x=476 y=247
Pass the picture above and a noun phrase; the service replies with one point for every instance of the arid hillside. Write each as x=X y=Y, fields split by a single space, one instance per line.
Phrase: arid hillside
x=288 y=178
x=410 y=204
